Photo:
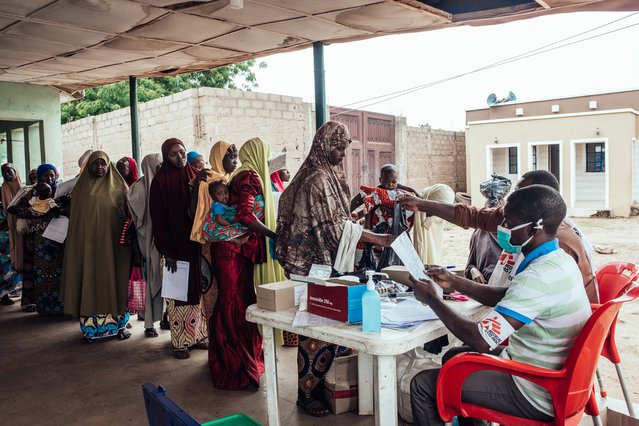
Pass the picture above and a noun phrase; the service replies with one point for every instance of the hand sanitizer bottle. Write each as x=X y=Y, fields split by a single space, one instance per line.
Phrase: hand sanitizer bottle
x=371 y=306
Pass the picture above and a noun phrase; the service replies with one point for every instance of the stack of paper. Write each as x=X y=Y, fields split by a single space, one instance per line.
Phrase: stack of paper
x=405 y=314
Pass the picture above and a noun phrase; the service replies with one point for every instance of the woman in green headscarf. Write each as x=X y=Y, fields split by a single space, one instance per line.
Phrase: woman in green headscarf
x=96 y=268
x=236 y=359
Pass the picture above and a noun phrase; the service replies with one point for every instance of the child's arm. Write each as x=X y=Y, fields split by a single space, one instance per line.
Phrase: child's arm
x=220 y=219
x=407 y=189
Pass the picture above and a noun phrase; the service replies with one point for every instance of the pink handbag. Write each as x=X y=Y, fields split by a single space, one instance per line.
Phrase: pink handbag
x=136 y=300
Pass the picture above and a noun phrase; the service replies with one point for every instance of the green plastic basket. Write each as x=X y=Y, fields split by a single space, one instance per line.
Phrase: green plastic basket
x=233 y=420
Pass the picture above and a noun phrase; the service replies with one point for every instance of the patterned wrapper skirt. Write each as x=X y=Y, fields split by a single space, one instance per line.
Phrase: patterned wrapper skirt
x=97 y=326
x=188 y=324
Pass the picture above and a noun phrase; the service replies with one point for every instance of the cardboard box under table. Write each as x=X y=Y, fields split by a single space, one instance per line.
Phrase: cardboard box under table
x=277 y=296
x=341 y=391
x=336 y=301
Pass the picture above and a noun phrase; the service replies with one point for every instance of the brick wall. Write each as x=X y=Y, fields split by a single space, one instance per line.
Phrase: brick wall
x=435 y=156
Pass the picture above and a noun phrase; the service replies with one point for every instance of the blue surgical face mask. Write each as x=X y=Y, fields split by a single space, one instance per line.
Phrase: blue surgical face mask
x=504 y=234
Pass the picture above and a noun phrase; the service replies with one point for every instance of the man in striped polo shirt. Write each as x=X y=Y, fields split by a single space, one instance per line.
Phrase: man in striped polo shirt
x=540 y=314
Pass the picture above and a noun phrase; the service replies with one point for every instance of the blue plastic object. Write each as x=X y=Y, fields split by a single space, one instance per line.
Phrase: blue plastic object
x=161 y=411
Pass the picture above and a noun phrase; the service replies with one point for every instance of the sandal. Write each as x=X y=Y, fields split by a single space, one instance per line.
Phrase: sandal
x=181 y=353
x=87 y=340
x=201 y=345
x=129 y=325
x=124 y=334
x=312 y=406
x=150 y=332
x=28 y=308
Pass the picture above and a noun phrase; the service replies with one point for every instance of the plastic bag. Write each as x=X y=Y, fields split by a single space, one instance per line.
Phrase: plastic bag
x=400 y=225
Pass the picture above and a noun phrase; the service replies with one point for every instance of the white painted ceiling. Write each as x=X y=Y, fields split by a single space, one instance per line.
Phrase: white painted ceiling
x=77 y=44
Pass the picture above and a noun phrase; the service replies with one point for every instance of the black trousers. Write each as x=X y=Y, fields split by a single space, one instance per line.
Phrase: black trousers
x=489 y=389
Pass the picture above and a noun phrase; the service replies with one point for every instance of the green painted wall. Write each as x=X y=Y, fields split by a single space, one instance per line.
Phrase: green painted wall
x=20 y=101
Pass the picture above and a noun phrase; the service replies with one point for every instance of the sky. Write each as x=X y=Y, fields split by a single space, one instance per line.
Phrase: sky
x=362 y=70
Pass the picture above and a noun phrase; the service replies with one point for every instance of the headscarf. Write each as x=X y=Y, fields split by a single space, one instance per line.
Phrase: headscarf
x=133 y=171
x=277 y=181
x=8 y=191
x=428 y=230
x=204 y=201
x=138 y=198
x=192 y=155
x=82 y=161
x=315 y=206
x=96 y=269
x=169 y=202
x=44 y=168
x=254 y=156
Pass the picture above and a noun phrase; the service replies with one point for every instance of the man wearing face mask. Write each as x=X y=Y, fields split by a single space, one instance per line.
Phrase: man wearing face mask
x=487 y=219
x=540 y=313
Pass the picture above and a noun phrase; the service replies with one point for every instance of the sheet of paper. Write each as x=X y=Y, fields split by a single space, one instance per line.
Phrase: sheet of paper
x=305 y=319
x=300 y=294
x=65 y=188
x=175 y=285
x=320 y=271
x=404 y=249
x=57 y=229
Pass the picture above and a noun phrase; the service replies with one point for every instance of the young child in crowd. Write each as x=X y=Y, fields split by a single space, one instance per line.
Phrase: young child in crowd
x=42 y=201
x=220 y=225
x=379 y=201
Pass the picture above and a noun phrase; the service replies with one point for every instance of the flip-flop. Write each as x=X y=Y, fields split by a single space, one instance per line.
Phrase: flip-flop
x=124 y=334
x=312 y=407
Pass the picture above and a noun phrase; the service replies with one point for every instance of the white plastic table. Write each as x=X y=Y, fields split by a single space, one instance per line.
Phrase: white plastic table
x=383 y=346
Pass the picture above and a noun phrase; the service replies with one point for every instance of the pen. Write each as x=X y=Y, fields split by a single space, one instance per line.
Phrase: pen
x=406 y=294
x=451 y=267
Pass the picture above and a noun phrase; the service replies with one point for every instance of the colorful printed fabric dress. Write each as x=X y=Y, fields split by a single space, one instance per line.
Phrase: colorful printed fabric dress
x=11 y=279
x=213 y=231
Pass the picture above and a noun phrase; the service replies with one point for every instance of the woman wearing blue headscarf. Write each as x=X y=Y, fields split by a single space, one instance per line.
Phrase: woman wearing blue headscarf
x=43 y=257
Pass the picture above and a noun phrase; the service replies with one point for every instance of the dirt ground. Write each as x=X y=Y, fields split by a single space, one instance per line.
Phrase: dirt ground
x=623 y=236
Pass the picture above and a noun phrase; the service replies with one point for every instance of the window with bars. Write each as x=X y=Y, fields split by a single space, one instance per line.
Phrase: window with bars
x=512 y=160
x=534 y=157
x=595 y=157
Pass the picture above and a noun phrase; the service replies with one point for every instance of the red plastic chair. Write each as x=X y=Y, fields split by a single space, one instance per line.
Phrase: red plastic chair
x=614 y=279
x=570 y=387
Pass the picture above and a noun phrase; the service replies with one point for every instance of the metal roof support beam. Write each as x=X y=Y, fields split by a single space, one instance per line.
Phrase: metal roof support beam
x=133 y=107
x=320 y=85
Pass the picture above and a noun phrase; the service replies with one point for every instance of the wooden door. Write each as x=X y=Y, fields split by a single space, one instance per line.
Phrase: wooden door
x=373 y=137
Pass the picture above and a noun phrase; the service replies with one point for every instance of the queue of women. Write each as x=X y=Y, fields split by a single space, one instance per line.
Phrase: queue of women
x=176 y=211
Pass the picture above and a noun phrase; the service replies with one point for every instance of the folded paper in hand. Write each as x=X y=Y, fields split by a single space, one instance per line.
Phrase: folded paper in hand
x=175 y=285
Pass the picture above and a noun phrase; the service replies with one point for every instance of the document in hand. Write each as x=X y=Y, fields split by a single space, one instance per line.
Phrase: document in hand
x=57 y=229
x=404 y=249
x=175 y=285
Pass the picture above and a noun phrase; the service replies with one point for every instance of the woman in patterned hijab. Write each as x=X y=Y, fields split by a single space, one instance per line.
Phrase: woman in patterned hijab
x=313 y=227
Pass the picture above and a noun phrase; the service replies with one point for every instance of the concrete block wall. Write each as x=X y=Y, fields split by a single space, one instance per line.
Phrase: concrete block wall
x=435 y=156
x=199 y=117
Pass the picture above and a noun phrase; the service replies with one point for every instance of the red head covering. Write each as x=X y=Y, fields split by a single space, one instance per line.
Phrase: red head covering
x=169 y=207
x=277 y=181
x=133 y=171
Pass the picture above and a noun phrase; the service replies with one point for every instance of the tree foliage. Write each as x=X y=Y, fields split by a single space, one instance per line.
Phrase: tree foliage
x=99 y=100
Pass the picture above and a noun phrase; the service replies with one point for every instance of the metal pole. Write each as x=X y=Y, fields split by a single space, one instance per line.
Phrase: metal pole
x=135 y=132
x=320 y=84
x=27 y=151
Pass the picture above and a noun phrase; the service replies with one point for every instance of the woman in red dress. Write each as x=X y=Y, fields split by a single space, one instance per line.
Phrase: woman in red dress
x=236 y=359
